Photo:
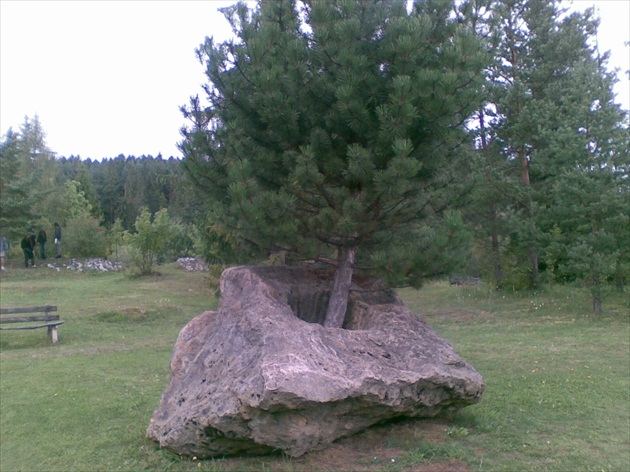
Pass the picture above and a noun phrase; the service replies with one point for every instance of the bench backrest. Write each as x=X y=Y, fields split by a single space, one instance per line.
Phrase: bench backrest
x=33 y=309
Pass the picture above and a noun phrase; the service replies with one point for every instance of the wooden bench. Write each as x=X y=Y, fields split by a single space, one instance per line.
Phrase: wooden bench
x=50 y=321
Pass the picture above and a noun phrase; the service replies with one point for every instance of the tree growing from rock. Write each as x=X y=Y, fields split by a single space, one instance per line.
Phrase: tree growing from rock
x=334 y=130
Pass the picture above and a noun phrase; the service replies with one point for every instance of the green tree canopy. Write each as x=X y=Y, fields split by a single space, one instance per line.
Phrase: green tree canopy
x=549 y=128
x=26 y=176
x=15 y=199
x=150 y=239
x=335 y=127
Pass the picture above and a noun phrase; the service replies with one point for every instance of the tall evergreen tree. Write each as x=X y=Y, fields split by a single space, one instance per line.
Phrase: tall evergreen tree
x=585 y=215
x=549 y=102
x=492 y=183
x=589 y=238
x=339 y=127
x=15 y=188
x=28 y=170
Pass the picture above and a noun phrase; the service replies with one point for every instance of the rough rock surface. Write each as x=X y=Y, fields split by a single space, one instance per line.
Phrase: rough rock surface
x=260 y=374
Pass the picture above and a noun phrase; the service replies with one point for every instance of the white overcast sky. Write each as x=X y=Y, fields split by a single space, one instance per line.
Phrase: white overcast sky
x=108 y=77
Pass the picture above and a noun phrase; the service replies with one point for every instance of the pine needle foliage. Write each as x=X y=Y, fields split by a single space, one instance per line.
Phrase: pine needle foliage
x=336 y=127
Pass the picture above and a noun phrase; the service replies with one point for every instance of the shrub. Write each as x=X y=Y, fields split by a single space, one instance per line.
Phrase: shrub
x=116 y=239
x=150 y=241
x=182 y=241
x=83 y=237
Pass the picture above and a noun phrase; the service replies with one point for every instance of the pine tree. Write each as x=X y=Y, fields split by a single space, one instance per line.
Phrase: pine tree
x=489 y=185
x=586 y=214
x=15 y=188
x=27 y=172
x=547 y=89
x=337 y=127
x=591 y=214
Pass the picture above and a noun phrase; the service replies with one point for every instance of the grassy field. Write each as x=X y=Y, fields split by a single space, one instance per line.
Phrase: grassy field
x=557 y=396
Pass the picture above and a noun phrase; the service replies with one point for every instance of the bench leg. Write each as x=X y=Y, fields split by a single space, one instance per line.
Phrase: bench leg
x=52 y=334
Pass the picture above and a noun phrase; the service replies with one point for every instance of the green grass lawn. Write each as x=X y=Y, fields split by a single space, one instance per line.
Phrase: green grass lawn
x=557 y=381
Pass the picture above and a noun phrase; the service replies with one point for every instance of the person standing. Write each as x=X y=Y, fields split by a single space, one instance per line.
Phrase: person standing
x=4 y=249
x=28 y=244
x=33 y=238
x=41 y=240
x=57 y=240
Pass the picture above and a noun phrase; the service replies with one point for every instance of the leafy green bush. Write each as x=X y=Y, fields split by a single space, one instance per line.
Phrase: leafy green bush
x=116 y=239
x=182 y=241
x=83 y=236
x=150 y=241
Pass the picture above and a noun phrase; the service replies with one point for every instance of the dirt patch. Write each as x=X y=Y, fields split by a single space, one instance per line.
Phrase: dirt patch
x=380 y=448
x=346 y=457
x=441 y=467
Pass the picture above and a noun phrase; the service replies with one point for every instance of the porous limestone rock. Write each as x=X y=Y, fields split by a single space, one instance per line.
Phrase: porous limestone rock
x=262 y=374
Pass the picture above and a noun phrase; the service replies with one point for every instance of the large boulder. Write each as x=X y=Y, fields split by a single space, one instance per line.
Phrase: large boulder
x=262 y=374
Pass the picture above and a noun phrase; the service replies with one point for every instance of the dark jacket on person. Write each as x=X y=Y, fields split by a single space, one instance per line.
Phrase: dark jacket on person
x=26 y=243
x=33 y=238
x=41 y=236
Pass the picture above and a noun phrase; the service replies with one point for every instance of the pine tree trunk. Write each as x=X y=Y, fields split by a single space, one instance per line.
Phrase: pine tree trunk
x=533 y=260
x=522 y=155
x=496 y=256
x=496 y=251
x=618 y=276
x=597 y=304
x=596 y=291
x=531 y=250
x=338 y=302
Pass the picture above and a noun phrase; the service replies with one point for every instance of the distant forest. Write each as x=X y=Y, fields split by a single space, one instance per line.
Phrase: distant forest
x=34 y=182
x=118 y=188
x=95 y=202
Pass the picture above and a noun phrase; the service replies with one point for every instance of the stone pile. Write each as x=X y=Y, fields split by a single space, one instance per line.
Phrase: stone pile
x=192 y=264
x=92 y=264
x=466 y=281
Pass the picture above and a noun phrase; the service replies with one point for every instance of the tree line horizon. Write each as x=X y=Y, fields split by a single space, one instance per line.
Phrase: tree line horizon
x=480 y=137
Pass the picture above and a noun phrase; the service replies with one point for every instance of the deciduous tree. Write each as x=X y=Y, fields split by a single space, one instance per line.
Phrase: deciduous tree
x=150 y=239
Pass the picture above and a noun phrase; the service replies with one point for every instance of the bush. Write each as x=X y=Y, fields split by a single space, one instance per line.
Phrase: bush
x=150 y=241
x=182 y=241
x=83 y=237
x=116 y=240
